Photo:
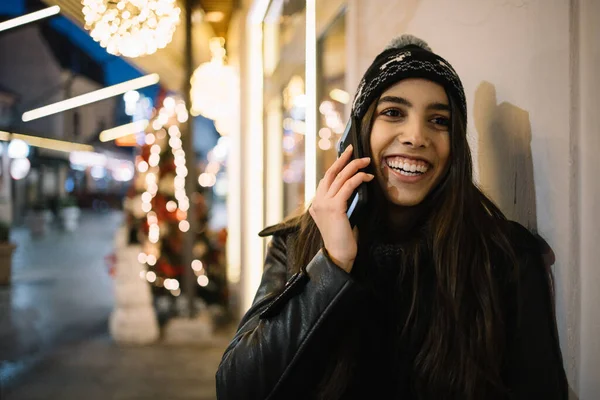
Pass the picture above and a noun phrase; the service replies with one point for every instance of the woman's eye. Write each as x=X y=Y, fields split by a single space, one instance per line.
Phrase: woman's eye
x=442 y=121
x=392 y=112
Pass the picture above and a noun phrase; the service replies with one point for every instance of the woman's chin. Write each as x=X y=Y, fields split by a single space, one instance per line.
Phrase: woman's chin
x=403 y=198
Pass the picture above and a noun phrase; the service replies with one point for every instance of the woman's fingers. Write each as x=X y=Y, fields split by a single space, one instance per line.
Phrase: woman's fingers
x=333 y=171
x=351 y=184
x=348 y=172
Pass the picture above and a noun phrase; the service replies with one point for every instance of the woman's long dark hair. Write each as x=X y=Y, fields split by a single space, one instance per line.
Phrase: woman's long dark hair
x=462 y=353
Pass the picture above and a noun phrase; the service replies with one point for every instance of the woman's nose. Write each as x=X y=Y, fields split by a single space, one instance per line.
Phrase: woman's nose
x=414 y=135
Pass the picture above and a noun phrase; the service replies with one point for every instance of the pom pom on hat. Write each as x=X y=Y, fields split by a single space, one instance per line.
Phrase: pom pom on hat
x=405 y=40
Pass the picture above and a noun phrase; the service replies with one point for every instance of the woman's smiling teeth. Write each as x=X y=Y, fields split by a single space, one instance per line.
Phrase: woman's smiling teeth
x=407 y=166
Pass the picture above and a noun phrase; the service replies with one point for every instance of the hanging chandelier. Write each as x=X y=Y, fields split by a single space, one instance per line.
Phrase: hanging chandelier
x=131 y=28
x=214 y=88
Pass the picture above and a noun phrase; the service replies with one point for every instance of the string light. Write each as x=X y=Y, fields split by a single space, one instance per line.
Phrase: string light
x=151 y=260
x=174 y=131
x=182 y=118
x=324 y=144
x=171 y=206
x=181 y=171
x=169 y=104
x=197 y=265
x=142 y=166
x=207 y=179
x=152 y=218
x=165 y=122
x=184 y=206
x=153 y=160
x=179 y=156
x=146 y=197
x=203 y=280
x=151 y=276
x=156 y=125
x=184 y=226
x=325 y=133
x=146 y=207
x=171 y=284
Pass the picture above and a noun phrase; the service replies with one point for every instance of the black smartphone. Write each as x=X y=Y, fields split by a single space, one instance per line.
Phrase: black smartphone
x=358 y=199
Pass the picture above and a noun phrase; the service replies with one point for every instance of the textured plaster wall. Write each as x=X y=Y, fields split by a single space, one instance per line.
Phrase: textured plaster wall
x=589 y=169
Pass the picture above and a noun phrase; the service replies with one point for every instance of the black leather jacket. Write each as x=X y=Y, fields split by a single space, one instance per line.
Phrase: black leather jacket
x=280 y=327
x=281 y=344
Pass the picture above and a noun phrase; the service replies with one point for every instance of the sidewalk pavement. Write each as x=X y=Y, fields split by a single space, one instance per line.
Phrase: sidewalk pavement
x=54 y=341
x=60 y=290
x=99 y=369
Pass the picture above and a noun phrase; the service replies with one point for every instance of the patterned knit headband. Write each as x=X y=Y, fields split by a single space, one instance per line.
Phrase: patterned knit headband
x=407 y=57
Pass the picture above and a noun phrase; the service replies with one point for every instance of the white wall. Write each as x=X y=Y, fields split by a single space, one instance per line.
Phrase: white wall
x=513 y=57
x=589 y=168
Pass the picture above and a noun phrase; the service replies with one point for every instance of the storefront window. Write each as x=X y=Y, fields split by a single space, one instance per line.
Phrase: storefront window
x=294 y=129
x=333 y=99
x=284 y=101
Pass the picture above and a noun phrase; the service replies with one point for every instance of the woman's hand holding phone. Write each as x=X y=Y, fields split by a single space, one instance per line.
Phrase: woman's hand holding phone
x=330 y=204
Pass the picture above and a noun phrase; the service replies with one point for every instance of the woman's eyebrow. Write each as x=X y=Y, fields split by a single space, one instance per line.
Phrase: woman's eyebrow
x=395 y=99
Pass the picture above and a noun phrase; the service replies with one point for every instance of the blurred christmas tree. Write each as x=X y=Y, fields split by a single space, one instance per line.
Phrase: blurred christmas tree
x=157 y=207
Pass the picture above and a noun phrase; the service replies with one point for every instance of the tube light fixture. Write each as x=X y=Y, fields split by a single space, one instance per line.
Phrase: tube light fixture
x=91 y=97
x=45 y=143
x=123 y=130
x=27 y=18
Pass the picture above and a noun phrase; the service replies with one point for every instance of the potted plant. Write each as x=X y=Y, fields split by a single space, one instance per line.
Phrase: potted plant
x=6 y=251
x=69 y=213
x=39 y=217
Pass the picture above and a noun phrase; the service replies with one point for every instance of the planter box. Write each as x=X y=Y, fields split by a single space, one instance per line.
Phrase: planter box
x=6 y=251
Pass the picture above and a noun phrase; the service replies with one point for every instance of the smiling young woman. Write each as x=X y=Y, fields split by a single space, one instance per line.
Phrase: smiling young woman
x=434 y=295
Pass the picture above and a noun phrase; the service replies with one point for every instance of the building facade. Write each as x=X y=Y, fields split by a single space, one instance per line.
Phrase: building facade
x=45 y=67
